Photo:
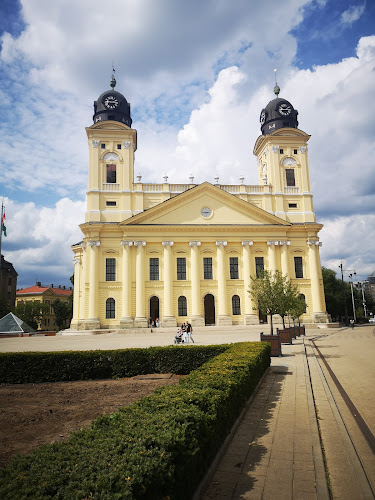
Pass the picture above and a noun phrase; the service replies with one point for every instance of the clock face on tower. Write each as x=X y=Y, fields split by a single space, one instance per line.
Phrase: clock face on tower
x=284 y=109
x=111 y=102
x=263 y=116
x=206 y=212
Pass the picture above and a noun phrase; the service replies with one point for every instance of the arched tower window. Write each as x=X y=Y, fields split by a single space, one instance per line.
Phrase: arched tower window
x=236 y=305
x=110 y=306
x=182 y=306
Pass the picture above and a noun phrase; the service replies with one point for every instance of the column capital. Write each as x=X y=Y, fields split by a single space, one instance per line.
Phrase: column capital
x=167 y=243
x=139 y=243
x=77 y=260
x=126 y=243
x=195 y=243
x=83 y=245
x=94 y=244
x=126 y=144
x=95 y=143
x=270 y=243
x=313 y=243
x=284 y=242
x=247 y=243
x=221 y=243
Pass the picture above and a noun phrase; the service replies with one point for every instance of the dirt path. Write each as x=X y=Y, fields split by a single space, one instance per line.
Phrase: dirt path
x=35 y=414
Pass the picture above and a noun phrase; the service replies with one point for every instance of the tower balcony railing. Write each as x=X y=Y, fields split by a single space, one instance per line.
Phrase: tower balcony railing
x=235 y=189
x=111 y=186
x=291 y=189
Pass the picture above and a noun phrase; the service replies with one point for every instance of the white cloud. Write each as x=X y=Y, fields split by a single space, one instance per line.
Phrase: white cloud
x=39 y=240
x=352 y=14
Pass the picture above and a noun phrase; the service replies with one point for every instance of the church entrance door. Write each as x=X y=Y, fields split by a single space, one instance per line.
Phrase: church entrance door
x=154 y=308
x=262 y=318
x=209 y=309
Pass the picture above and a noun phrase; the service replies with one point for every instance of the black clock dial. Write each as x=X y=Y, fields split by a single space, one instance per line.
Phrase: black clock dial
x=111 y=102
x=263 y=116
x=284 y=109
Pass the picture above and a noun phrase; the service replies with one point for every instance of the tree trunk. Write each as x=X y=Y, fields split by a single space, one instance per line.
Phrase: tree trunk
x=271 y=323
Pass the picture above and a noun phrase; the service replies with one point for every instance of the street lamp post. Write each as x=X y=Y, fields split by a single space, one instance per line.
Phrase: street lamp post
x=343 y=292
x=351 y=288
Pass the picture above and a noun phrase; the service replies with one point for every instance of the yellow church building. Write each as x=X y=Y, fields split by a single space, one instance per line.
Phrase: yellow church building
x=181 y=252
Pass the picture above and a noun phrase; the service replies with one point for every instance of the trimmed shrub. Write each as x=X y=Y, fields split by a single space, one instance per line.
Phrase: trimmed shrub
x=35 y=367
x=159 y=447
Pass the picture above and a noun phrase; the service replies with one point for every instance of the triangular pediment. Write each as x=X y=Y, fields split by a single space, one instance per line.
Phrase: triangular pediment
x=202 y=205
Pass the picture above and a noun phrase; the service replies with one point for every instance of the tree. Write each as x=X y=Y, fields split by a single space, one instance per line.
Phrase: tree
x=31 y=312
x=63 y=312
x=298 y=307
x=267 y=291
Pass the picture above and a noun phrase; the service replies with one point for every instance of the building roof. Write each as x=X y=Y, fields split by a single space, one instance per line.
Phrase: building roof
x=37 y=289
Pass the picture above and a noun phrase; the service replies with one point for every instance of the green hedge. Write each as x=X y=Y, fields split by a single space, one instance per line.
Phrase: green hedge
x=157 y=448
x=35 y=367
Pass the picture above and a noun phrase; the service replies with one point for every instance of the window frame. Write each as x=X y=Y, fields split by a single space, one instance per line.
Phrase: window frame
x=290 y=177
x=259 y=266
x=110 y=269
x=236 y=305
x=181 y=268
x=110 y=308
x=154 y=269
x=111 y=173
x=233 y=268
x=207 y=268
x=298 y=267
x=182 y=306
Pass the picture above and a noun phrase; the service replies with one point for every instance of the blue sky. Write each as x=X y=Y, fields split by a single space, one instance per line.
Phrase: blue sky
x=197 y=75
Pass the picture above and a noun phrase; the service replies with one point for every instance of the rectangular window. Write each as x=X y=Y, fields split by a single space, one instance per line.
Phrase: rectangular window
x=236 y=305
x=233 y=268
x=111 y=173
x=259 y=265
x=281 y=151
x=118 y=146
x=154 y=269
x=298 y=267
x=181 y=268
x=290 y=180
x=292 y=205
x=110 y=269
x=207 y=268
x=295 y=151
x=102 y=146
x=110 y=203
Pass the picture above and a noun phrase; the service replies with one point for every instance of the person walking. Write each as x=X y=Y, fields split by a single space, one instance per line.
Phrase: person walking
x=189 y=331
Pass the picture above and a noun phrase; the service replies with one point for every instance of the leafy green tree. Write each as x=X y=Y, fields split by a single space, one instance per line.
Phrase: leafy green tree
x=267 y=291
x=298 y=307
x=31 y=312
x=334 y=294
x=4 y=309
x=63 y=312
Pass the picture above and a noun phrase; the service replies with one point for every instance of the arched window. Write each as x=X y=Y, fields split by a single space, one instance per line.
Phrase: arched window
x=110 y=308
x=182 y=306
x=236 y=305
x=303 y=299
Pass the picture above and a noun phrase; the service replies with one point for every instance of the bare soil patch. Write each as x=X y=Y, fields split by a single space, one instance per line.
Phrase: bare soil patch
x=35 y=414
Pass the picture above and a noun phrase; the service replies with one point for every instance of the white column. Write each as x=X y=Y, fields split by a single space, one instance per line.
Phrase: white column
x=319 y=314
x=93 y=320
x=168 y=318
x=82 y=286
x=126 y=320
x=76 y=292
x=284 y=257
x=140 y=320
x=222 y=309
x=196 y=317
x=250 y=317
x=272 y=255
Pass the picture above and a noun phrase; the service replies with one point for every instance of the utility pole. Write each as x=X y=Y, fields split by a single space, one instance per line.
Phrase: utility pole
x=351 y=288
x=344 y=296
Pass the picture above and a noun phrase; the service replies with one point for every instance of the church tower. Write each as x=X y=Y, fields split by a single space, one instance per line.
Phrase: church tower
x=112 y=144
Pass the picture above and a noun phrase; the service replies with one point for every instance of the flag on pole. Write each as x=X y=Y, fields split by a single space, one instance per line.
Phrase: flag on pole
x=3 y=226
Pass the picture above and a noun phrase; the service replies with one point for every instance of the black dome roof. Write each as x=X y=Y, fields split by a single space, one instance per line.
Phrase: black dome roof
x=277 y=114
x=111 y=105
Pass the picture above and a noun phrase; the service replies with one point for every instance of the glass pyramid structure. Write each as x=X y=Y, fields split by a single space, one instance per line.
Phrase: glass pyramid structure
x=11 y=324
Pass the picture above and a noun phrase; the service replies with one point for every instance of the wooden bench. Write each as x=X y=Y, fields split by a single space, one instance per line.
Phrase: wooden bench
x=274 y=340
x=285 y=336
